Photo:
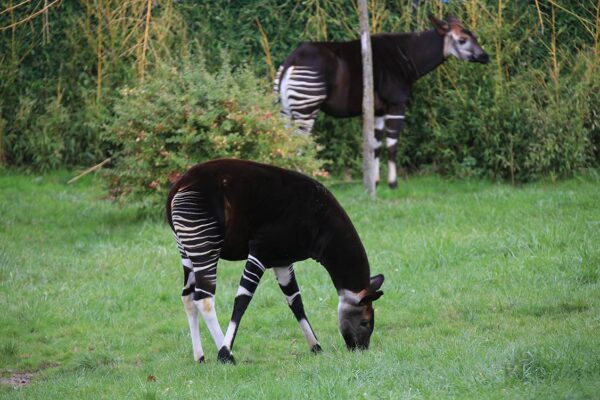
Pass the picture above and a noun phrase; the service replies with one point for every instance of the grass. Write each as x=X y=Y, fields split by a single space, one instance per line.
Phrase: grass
x=491 y=291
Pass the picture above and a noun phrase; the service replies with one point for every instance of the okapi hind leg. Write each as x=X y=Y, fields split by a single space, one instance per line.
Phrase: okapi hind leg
x=199 y=239
x=289 y=286
x=249 y=281
x=379 y=125
x=190 y=309
x=394 y=121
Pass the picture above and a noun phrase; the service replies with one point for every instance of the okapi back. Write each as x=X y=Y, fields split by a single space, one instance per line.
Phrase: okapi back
x=286 y=216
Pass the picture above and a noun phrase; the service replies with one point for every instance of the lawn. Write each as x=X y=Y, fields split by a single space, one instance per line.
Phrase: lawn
x=491 y=291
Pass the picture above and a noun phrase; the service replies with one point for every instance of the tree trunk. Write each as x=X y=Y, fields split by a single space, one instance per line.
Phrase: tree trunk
x=368 y=112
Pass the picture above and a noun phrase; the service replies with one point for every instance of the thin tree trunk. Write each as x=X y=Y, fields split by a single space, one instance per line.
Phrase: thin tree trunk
x=368 y=111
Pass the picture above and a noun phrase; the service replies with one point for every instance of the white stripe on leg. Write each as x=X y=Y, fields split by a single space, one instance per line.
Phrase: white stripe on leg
x=229 y=335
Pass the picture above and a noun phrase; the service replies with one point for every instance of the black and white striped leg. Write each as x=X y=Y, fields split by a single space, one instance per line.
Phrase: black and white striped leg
x=190 y=309
x=199 y=239
x=379 y=125
x=249 y=281
x=289 y=286
x=393 y=125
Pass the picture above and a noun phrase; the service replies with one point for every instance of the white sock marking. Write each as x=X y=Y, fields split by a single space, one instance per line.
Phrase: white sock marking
x=392 y=171
x=229 y=335
x=308 y=333
x=209 y=312
x=192 y=316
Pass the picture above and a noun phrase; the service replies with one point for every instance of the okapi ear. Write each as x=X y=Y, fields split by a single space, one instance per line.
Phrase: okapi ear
x=376 y=282
x=370 y=297
x=452 y=19
x=440 y=26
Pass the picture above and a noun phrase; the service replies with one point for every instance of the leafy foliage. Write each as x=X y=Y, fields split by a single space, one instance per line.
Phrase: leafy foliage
x=181 y=116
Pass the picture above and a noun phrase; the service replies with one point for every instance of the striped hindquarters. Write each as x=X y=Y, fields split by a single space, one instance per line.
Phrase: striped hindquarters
x=199 y=237
x=301 y=91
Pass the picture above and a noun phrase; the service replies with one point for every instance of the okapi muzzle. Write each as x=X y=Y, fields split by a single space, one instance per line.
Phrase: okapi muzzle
x=357 y=316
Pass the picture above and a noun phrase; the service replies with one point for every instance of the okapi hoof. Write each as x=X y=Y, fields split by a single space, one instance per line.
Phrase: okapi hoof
x=201 y=360
x=393 y=185
x=316 y=349
x=225 y=356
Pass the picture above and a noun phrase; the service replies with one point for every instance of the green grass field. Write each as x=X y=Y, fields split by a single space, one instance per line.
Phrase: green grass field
x=491 y=291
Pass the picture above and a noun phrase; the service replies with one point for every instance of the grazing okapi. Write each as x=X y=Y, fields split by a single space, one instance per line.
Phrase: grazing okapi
x=328 y=76
x=270 y=217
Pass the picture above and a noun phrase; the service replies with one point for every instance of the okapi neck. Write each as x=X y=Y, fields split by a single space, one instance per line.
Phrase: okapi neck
x=343 y=255
x=426 y=51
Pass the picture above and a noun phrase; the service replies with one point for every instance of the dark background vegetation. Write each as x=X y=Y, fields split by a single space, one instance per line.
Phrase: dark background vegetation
x=86 y=80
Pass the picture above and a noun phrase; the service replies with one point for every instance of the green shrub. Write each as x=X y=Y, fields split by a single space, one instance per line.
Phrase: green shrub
x=185 y=115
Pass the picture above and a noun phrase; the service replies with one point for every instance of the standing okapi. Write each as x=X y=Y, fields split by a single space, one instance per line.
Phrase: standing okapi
x=271 y=217
x=328 y=76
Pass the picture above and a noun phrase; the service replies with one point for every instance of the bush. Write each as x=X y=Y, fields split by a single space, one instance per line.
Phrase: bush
x=519 y=128
x=185 y=115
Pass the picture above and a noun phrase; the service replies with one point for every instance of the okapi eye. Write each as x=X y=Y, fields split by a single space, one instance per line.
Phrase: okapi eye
x=462 y=41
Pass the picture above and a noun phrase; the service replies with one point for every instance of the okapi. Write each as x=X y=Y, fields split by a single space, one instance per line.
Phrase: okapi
x=327 y=76
x=270 y=217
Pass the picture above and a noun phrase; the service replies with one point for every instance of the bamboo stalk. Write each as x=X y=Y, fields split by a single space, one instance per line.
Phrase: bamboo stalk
x=46 y=25
x=145 y=40
x=555 y=71
x=596 y=35
x=11 y=7
x=584 y=22
x=537 y=5
x=264 y=42
x=99 y=42
x=35 y=14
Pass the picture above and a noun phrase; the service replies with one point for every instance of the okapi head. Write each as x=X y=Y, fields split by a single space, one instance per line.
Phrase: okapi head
x=357 y=316
x=459 y=41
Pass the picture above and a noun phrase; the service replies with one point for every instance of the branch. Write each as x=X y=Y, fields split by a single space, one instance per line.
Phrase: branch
x=9 y=9
x=35 y=14
x=87 y=171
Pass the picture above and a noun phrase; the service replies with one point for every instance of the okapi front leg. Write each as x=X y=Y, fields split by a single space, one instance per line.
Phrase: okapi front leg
x=289 y=287
x=248 y=283
x=379 y=125
x=394 y=121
